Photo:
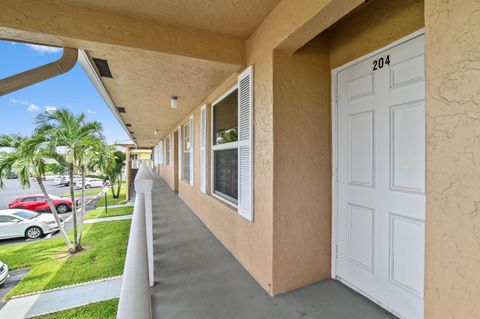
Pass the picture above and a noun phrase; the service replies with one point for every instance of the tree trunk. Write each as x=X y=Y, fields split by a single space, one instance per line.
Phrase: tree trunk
x=119 y=188
x=82 y=214
x=74 y=209
x=54 y=212
x=112 y=188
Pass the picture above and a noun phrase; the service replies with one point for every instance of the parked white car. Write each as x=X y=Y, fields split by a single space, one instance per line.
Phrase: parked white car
x=65 y=180
x=91 y=183
x=60 y=180
x=3 y=273
x=25 y=223
x=51 y=177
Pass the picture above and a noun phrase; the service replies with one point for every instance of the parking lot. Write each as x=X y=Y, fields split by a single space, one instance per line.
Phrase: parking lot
x=13 y=190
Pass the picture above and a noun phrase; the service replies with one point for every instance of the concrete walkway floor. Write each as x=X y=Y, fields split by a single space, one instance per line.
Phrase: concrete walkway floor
x=196 y=277
x=60 y=299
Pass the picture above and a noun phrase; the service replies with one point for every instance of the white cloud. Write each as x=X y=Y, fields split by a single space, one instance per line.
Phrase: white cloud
x=41 y=49
x=17 y=101
x=33 y=107
x=50 y=109
x=92 y=112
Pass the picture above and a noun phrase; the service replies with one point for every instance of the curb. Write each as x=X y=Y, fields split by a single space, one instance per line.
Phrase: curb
x=64 y=287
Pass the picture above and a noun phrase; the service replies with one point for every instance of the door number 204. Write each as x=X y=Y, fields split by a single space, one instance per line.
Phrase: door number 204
x=381 y=62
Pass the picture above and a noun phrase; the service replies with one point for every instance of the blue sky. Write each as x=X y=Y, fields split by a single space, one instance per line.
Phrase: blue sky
x=72 y=90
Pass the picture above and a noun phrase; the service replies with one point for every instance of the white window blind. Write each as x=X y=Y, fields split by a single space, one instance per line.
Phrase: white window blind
x=203 y=149
x=192 y=149
x=168 y=150
x=245 y=143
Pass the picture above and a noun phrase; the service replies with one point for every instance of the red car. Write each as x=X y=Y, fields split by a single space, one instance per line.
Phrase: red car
x=39 y=203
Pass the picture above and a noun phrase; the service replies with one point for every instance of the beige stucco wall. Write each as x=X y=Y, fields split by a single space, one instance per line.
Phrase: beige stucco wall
x=302 y=161
x=250 y=243
x=452 y=284
x=170 y=172
x=302 y=135
x=373 y=26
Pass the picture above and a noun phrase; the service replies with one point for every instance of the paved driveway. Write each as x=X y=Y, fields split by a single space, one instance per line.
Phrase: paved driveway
x=13 y=190
x=15 y=277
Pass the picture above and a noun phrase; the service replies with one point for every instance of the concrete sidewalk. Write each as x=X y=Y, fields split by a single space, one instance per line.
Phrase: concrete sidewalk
x=61 y=299
x=107 y=219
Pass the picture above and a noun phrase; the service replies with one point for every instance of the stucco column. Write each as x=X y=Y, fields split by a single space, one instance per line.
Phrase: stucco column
x=452 y=272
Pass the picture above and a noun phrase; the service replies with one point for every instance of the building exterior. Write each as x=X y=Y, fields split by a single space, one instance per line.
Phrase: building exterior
x=134 y=156
x=315 y=139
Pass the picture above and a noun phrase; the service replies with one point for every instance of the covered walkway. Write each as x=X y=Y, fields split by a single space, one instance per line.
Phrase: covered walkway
x=197 y=278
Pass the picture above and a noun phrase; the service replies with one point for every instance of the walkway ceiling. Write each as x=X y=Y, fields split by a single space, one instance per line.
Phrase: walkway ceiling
x=238 y=18
x=155 y=49
x=143 y=83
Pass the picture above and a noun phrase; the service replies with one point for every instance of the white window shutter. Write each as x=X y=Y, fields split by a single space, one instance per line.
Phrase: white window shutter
x=171 y=148
x=165 y=153
x=180 y=150
x=245 y=143
x=160 y=152
x=192 y=149
x=203 y=149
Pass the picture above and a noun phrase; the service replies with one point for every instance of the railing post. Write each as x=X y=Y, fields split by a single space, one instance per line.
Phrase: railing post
x=135 y=299
x=144 y=185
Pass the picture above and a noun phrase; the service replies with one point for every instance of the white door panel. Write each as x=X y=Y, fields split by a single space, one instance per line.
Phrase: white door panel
x=11 y=229
x=381 y=177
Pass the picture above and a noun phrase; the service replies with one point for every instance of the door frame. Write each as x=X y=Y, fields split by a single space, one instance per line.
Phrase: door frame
x=334 y=141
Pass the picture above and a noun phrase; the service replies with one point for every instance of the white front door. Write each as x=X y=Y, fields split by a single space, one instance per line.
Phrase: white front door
x=380 y=185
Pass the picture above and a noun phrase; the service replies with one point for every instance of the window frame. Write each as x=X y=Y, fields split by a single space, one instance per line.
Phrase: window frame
x=167 y=151
x=219 y=147
x=203 y=145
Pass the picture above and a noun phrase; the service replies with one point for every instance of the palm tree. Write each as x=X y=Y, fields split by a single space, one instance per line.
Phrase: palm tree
x=75 y=136
x=29 y=156
x=109 y=161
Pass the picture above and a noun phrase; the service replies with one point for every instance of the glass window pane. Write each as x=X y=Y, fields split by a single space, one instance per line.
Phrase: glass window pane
x=226 y=174
x=26 y=214
x=225 y=120
x=186 y=166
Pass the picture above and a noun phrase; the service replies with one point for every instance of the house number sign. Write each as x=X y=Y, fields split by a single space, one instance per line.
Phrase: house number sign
x=381 y=62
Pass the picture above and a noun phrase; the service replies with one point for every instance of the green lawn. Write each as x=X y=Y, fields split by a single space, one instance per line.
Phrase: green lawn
x=51 y=267
x=115 y=211
x=114 y=201
x=103 y=309
x=87 y=191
